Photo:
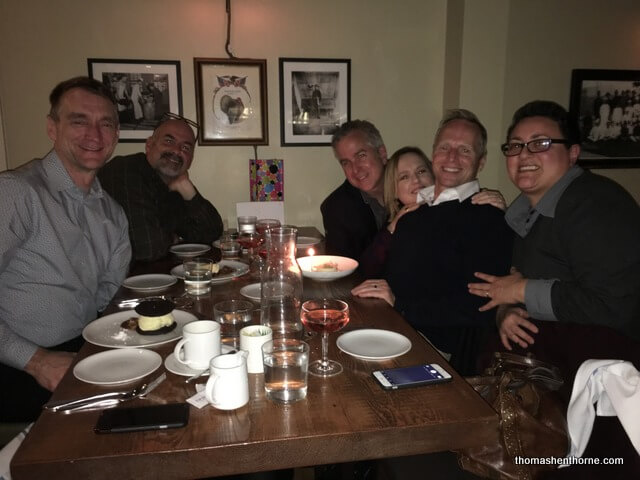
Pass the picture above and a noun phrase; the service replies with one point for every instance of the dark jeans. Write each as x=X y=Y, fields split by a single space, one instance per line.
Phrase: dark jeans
x=21 y=397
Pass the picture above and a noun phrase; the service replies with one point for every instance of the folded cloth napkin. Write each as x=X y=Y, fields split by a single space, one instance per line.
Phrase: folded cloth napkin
x=615 y=386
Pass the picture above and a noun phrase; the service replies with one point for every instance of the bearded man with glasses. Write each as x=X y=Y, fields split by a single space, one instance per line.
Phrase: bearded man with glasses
x=161 y=202
x=574 y=289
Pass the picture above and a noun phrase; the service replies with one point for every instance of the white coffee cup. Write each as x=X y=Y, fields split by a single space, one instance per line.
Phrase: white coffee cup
x=228 y=384
x=200 y=343
x=251 y=340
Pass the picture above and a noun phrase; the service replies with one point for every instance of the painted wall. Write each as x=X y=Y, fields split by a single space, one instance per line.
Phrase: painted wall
x=410 y=59
x=397 y=54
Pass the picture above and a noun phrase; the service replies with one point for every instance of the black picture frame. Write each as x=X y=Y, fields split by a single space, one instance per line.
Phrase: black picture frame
x=315 y=99
x=145 y=90
x=231 y=101
x=606 y=105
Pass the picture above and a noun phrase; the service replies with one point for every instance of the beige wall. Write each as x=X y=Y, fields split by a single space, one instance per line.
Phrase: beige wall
x=549 y=38
x=397 y=56
x=410 y=59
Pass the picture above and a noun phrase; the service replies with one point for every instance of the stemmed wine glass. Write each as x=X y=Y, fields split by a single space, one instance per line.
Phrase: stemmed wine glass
x=325 y=316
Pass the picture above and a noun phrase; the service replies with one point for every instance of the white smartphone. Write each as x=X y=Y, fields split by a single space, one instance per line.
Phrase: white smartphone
x=404 y=377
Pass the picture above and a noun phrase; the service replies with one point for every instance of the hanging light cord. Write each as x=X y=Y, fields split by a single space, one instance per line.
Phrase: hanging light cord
x=228 y=44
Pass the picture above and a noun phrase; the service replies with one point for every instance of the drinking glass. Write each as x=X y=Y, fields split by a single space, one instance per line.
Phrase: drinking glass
x=325 y=316
x=233 y=316
x=252 y=242
x=197 y=275
x=265 y=223
x=285 y=369
x=247 y=224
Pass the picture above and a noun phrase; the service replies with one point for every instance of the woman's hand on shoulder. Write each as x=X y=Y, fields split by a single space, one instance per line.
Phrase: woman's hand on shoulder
x=489 y=197
x=403 y=211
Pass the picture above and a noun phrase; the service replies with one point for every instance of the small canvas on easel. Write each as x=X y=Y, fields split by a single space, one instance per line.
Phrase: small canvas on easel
x=266 y=180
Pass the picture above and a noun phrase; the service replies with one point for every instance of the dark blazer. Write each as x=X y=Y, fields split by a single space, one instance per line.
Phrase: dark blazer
x=349 y=224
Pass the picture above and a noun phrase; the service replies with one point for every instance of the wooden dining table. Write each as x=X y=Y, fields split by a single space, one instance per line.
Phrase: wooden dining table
x=347 y=417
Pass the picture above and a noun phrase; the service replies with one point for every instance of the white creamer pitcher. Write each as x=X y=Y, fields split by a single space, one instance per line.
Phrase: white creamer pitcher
x=228 y=384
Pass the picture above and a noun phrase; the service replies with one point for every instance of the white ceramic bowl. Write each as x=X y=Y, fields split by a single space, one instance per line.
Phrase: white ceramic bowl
x=346 y=266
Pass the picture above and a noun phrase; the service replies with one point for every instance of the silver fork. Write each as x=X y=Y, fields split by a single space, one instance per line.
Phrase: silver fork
x=105 y=400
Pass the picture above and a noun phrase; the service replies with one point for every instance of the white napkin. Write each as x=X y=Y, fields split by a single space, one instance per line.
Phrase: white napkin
x=9 y=450
x=198 y=400
x=615 y=386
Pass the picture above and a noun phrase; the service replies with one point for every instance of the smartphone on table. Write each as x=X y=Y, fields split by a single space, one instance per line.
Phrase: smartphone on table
x=403 y=377
x=135 y=419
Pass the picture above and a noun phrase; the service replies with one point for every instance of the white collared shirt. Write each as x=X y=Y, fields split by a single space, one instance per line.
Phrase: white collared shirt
x=460 y=193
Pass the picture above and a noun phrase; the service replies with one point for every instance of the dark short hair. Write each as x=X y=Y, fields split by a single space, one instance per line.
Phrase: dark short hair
x=369 y=129
x=462 y=114
x=88 y=84
x=551 y=110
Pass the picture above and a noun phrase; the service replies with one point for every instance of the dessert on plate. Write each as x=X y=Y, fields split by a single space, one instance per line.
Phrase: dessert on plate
x=154 y=318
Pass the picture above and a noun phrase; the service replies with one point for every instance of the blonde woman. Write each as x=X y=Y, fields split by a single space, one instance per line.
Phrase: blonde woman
x=406 y=173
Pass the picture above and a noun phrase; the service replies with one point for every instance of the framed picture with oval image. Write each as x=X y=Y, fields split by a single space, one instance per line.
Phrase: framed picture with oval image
x=231 y=101
x=606 y=104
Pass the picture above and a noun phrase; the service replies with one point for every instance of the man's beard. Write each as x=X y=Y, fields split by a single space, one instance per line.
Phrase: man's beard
x=173 y=164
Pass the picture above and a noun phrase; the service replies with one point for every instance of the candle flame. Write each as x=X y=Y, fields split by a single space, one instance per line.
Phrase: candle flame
x=311 y=252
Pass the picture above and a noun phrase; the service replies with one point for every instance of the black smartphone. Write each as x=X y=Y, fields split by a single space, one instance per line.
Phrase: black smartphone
x=135 y=419
x=403 y=377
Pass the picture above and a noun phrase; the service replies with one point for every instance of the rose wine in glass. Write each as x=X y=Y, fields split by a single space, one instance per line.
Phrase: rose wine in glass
x=325 y=316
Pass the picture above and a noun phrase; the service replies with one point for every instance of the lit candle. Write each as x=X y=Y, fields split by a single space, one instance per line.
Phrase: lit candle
x=311 y=252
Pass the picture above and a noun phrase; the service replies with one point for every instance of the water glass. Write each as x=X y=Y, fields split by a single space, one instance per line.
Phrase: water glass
x=247 y=224
x=233 y=316
x=197 y=275
x=229 y=248
x=286 y=361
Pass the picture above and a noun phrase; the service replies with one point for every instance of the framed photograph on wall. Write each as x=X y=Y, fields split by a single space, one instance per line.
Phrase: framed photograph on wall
x=315 y=99
x=606 y=104
x=231 y=100
x=144 y=89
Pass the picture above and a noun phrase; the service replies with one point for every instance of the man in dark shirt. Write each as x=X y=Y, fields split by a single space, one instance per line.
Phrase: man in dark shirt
x=436 y=249
x=160 y=201
x=354 y=212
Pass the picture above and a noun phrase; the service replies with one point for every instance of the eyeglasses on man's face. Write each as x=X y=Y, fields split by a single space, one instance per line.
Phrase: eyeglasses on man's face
x=511 y=149
x=174 y=116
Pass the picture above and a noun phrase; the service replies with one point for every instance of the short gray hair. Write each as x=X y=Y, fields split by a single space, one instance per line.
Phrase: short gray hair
x=367 y=128
x=462 y=114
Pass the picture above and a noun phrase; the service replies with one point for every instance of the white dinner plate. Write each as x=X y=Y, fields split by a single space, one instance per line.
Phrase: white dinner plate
x=153 y=282
x=251 y=291
x=117 y=366
x=107 y=332
x=306 y=242
x=373 y=344
x=186 y=250
x=174 y=366
x=239 y=269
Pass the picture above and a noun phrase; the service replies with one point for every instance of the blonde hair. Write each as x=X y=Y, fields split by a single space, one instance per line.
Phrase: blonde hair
x=391 y=201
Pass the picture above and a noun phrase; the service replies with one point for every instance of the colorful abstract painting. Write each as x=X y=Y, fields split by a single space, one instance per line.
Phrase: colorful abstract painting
x=266 y=180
